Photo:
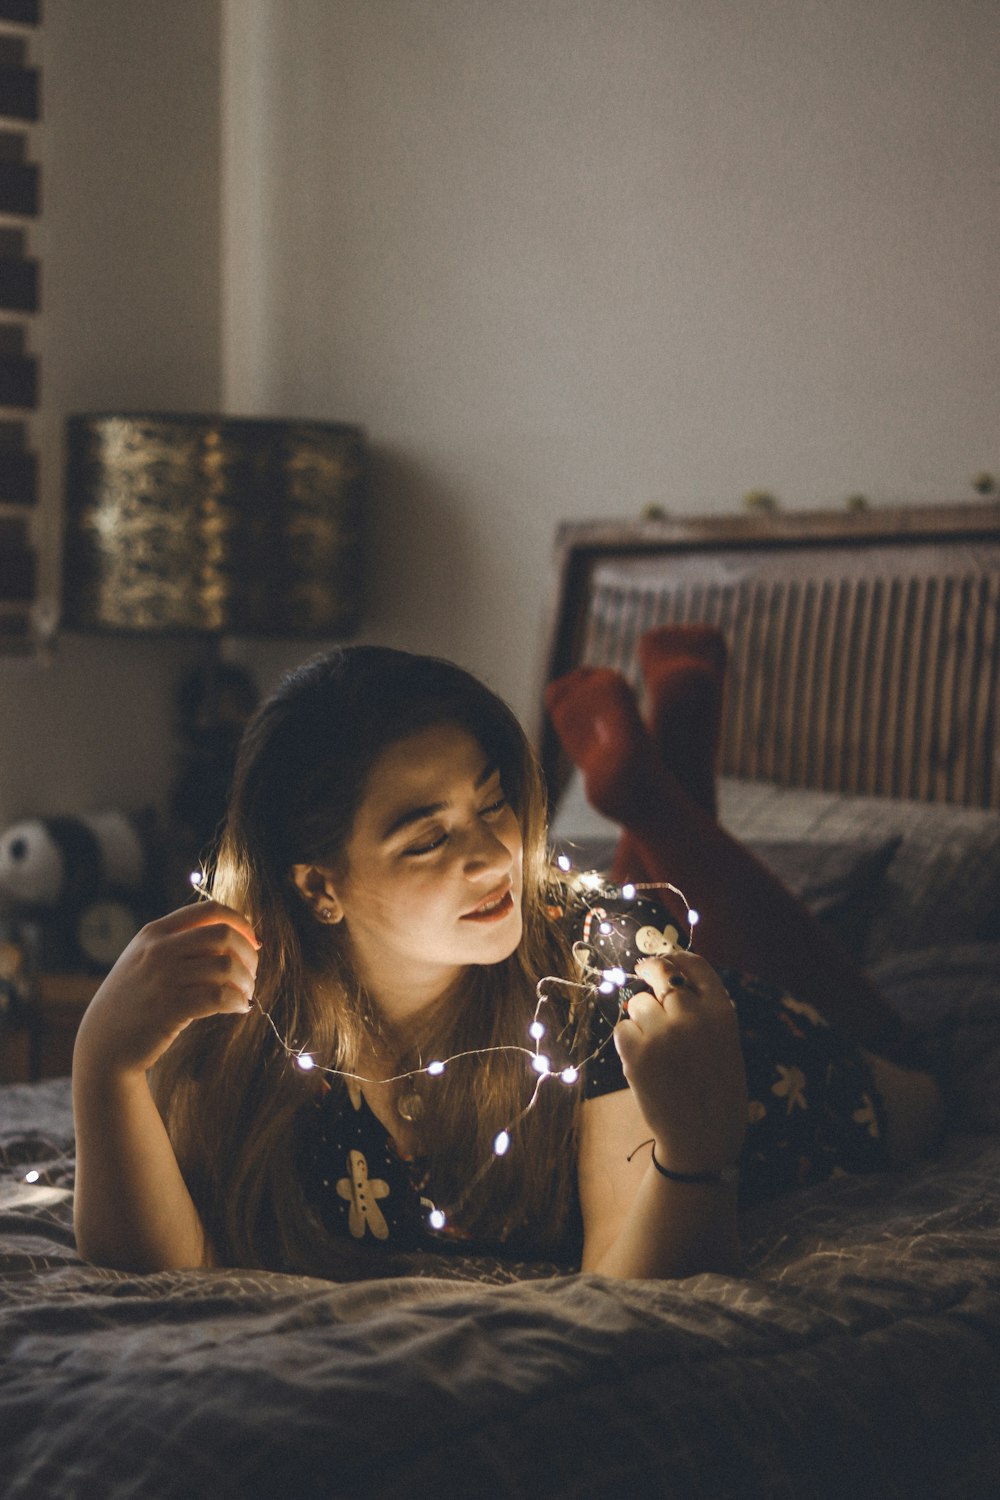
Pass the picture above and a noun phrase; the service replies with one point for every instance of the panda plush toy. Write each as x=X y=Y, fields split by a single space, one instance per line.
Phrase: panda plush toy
x=78 y=888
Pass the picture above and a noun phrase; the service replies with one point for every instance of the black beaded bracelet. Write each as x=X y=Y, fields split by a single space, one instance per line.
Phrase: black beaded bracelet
x=728 y=1174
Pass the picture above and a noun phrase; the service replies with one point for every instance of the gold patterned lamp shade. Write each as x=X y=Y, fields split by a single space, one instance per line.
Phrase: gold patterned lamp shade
x=210 y=524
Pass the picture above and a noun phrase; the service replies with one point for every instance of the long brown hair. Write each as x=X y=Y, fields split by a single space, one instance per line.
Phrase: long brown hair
x=233 y=1103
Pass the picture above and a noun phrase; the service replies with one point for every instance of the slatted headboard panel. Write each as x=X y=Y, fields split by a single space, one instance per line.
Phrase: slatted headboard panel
x=865 y=649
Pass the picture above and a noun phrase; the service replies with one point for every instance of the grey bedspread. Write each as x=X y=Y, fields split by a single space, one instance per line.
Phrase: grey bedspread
x=859 y=1356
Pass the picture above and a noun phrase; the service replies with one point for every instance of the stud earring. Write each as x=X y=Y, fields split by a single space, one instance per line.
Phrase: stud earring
x=326 y=914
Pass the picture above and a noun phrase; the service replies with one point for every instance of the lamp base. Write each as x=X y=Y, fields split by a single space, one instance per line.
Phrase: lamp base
x=214 y=704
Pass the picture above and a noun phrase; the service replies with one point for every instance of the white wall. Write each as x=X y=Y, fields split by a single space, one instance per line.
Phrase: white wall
x=563 y=258
x=129 y=239
x=566 y=258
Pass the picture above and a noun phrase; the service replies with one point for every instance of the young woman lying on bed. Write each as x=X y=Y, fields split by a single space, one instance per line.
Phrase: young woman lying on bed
x=382 y=900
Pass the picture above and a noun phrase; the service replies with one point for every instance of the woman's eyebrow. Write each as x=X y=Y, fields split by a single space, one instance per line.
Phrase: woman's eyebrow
x=429 y=809
x=412 y=815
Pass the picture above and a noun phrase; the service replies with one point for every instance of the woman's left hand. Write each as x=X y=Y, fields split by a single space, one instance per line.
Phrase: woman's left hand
x=680 y=1050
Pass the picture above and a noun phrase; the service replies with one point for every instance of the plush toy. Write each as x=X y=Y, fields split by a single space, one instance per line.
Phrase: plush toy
x=79 y=887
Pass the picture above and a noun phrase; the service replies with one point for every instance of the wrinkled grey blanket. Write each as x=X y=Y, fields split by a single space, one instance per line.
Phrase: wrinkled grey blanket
x=859 y=1356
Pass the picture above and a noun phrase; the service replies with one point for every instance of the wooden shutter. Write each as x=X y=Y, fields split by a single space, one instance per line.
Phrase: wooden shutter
x=19 y=302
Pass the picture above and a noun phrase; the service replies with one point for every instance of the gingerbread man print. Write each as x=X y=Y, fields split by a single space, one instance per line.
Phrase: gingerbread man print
x=362 y=1193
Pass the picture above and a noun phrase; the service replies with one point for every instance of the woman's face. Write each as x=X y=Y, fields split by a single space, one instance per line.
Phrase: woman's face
x=433 y=869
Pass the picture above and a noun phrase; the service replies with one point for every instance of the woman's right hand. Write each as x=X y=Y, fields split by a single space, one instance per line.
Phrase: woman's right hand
x=198 y=961
x=680 y=1049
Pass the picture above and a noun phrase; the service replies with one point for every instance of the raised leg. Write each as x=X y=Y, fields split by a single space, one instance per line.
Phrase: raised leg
x=684 y=671
x=749 y=920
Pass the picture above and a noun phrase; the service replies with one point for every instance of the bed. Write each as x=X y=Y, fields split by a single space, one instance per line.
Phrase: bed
x=859 y=1353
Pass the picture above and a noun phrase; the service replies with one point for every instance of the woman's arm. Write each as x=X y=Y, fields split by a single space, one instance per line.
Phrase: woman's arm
x=636 y=1222
x=132 y=1207
x=681 y=1054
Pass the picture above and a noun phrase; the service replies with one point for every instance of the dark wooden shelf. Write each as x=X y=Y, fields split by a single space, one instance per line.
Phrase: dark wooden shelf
x=42 y=1047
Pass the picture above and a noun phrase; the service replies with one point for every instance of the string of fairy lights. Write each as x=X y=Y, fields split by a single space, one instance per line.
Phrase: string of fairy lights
x=590 y=889
x=612 y=932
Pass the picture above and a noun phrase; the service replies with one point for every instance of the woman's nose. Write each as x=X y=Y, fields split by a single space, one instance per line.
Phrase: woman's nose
x=487 y=853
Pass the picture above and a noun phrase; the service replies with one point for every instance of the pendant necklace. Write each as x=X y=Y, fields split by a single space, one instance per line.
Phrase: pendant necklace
x=410 y=1106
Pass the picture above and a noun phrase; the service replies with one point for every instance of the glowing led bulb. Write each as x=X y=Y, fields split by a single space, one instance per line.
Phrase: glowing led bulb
x=32 y=1176
x=604 y=927
x=693 y=918
x=501 y=1143
x=564 y=862
x=541 y=1064
x=614 y=976
x=569 y=1075
x=196 y=878
x=434 y=1068
x=536 y=1030
x=628 y=891
x=606 y=987
x=305 y=1061
x=436 y=1219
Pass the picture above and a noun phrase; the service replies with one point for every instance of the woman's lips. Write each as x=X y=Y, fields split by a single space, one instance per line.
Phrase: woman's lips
x=494 y=908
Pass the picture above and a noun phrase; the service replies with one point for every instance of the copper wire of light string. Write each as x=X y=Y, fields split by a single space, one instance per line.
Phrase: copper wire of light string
x=586 y=884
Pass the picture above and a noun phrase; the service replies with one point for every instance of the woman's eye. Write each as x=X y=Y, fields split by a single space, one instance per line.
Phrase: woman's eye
x=492 y=810
x=417 y=849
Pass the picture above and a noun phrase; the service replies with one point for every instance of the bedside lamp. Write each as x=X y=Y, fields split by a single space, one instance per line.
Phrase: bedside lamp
x=212 y=525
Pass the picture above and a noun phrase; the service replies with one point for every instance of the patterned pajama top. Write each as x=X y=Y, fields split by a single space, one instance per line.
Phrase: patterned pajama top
x=814 y=1113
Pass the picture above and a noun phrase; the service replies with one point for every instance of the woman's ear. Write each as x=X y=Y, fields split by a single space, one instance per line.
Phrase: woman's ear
x=315 y=886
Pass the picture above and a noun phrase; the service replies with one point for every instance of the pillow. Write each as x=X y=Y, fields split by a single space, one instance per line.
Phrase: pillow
x=943 y=884
x=576 y=822
x=839 y=882
x=953 y=994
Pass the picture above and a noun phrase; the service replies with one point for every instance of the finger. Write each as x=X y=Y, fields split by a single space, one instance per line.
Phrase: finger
x=206 y=914
x=644 y=1011
x=632 y=1036
x=201 y=1000
x=628 y=1040
x=694 y=965
x=217 y=939
x=218 y=946
x=665 y=977
x=206 y=983
x=225 y=969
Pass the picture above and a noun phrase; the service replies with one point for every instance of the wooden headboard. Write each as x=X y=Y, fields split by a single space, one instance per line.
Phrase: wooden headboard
x=864 y=648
